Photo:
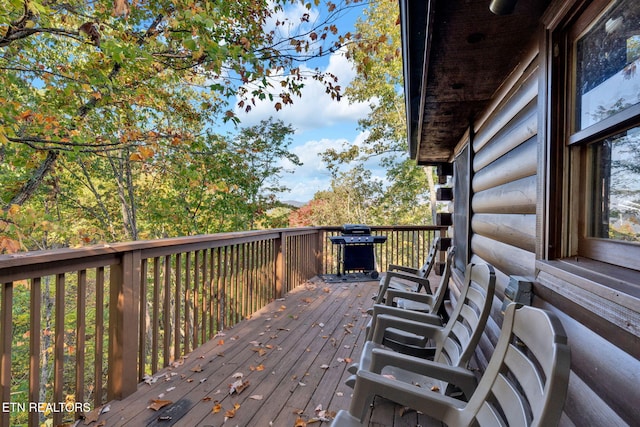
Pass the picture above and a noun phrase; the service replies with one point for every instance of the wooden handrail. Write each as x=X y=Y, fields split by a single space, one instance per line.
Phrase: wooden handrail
x=165 y=298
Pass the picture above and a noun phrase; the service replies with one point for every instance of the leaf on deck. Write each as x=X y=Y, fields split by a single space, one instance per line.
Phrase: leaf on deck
x=157 y=404
x=238 y=387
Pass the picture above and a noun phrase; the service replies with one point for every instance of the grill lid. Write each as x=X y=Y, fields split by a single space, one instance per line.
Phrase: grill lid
x=356 y=229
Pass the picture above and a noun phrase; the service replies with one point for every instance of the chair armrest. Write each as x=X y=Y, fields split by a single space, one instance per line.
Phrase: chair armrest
x=431 y=319
x=407 y=276
x=463 y=378
x=418 y=316
x=384 y=283
x=369 y=384
x=414 y=296
x=386 y=321
x=396 y=267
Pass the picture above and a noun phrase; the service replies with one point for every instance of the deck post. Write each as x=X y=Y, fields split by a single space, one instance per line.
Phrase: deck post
x=124 y=318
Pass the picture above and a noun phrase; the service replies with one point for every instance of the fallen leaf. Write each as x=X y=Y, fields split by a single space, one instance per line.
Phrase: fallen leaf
x=238 y=387
x=324 y=366
x=196 y=368
x=237 y=375
x=300 y=423
x=217 y=407
x=232 y=412
x=92 y=416
x=149 y=379
x=256 y=397
x=157 y=404
x=177 y=363
x=435 y=388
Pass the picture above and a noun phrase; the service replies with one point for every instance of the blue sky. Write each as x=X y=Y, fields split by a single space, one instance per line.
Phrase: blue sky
x=319 y=122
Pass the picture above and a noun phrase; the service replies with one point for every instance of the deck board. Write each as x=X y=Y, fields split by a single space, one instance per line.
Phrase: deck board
x=293 y=354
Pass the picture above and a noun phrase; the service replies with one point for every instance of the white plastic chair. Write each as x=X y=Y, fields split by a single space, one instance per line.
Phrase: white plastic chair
x=524 y=385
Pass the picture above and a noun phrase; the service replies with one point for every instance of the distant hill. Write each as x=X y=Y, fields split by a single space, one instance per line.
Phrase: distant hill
x=294 y=203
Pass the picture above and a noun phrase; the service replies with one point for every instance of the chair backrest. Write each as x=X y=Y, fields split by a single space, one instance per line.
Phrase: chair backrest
x=426 y=268
x=469 y=317
x=441 y=292
x=525 y=383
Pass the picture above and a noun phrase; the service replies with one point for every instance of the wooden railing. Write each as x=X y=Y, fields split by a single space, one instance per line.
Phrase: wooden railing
x=88 y=325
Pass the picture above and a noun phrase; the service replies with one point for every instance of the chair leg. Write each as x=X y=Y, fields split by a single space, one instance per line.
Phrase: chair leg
x=363 y=395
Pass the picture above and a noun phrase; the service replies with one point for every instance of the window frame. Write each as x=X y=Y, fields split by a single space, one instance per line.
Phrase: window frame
x=574 y=171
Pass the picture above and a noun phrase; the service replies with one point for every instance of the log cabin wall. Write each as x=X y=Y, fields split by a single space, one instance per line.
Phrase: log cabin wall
x=506 y=192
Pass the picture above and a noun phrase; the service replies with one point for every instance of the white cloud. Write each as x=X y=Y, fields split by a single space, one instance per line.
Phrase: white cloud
x=315 y=109
x=288 y=19
x=313 y=176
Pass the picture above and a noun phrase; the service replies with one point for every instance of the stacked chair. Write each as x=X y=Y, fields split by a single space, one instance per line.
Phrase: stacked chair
x=524 y=384
x=408 y=279
x=397 y=302
x=451 y=345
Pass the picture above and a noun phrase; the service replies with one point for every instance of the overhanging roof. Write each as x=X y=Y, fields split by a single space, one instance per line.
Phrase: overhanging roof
x=456 y=54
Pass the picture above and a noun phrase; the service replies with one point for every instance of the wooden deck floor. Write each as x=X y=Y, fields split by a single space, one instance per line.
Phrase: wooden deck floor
x=292 y=356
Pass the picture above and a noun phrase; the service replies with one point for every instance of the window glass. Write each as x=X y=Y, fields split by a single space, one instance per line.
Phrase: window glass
x=608 y=65
x=615 y=187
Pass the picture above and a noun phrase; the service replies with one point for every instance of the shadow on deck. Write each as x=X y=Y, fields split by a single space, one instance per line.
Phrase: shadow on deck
x=290 y=357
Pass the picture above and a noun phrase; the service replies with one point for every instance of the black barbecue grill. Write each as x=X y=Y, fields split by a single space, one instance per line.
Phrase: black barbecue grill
x=355 y=251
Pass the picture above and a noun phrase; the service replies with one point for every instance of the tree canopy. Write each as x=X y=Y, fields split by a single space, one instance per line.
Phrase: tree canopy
x=102 y=99
x=409 y=195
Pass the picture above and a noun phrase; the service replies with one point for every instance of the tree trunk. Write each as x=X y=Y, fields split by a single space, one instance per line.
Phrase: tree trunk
x=36 y=179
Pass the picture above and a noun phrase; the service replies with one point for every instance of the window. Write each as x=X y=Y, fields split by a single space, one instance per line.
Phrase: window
x=607 y=65
x=603 y=131
x=614 y=186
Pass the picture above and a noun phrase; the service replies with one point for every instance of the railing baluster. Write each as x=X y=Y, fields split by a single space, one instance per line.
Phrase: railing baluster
x=177 y=307
x=99 y=338
x=166 y=313
x=81 y=330
x=34 y=348
x=6 y=313
x=58 y=352
x=188 y=325
x=196 y=298
x=155 y=339
x=142 y=342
